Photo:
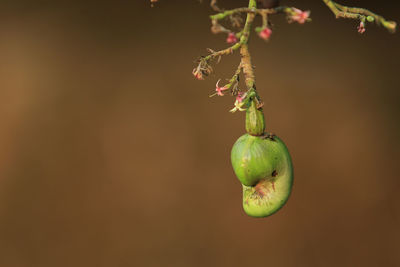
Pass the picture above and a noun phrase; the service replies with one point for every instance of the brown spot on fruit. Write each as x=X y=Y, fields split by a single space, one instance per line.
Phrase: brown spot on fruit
x=260 y=190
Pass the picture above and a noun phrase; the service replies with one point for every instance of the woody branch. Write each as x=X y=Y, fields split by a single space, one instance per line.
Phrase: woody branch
x=239 y=40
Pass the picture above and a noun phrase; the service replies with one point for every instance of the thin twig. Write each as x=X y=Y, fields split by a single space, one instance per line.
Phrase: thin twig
x=223 y=52
x=214 y=6
x=227 y=13
x=361 y=14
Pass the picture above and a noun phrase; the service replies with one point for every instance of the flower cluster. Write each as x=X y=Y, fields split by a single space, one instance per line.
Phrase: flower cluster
x=238 y=40
x=240 y=97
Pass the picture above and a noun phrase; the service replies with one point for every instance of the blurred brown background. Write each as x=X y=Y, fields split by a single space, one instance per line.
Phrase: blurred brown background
x=112 y=154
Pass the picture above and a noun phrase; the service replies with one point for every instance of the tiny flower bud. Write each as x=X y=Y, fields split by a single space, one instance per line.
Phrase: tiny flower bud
x=361 y=27
x=265 y=33
x=370 y=19
x=231 y=39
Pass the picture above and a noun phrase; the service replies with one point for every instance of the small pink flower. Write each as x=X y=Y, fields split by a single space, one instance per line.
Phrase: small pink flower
x=231 y=39
x=219 y=89
x=240 y=97
x=238 y=105
x=299 y=15
x=361 y=27
x=265 y=33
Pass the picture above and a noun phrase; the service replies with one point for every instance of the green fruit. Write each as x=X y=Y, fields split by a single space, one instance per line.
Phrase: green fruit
x=263 y=165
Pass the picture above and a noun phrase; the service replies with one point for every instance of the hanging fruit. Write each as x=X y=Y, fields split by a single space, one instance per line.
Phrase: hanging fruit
x=263 y=165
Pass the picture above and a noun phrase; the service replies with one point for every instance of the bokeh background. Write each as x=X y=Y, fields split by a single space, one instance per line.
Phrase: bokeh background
x=112 y=154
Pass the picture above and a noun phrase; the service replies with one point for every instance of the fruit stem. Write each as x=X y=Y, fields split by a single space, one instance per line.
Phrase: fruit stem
x=255 y=123
x=244 y=50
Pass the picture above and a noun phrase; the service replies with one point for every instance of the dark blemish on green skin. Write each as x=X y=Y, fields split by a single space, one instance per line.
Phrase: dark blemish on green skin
x=270 y=136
